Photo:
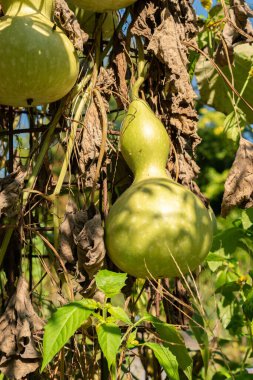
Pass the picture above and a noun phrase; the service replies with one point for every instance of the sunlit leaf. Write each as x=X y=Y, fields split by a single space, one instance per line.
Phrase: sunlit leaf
x=166 y=359
x=109 y=282
x=62 y=325
x=109 y=338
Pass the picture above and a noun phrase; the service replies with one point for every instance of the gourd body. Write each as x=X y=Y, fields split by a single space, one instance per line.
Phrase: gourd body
x=38 y=62
x=157 y=228
x=103 y=5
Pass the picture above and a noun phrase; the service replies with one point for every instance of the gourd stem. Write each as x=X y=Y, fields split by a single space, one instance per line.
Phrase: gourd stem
x=79 y=111
x=84 y=99
x=33 y=178
x=141 y=66
x=65 y=165
x=119 y=27
x=5 y=243
x=103 y=142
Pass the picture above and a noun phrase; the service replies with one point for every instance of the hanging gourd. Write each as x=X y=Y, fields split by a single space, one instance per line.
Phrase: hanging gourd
x=103 y=5
x=38 y=62
x=157 y=228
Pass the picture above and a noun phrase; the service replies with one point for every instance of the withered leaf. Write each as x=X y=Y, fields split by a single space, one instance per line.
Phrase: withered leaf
x=144 y=24
x=239 y=184
x=70 y=24
x=90 y=246
x=90 y=142
x=120 y=66
x=18 y=353
x=237 y=23
x=10 y=192
x=82 y=245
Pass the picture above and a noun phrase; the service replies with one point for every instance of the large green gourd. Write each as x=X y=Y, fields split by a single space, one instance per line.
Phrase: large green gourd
x=103 y=5
x=157 y=227
x=38 y=63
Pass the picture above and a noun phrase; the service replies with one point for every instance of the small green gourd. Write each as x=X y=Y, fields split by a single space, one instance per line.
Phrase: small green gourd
x=157 y=228
x=38 y=62
x=102 y=5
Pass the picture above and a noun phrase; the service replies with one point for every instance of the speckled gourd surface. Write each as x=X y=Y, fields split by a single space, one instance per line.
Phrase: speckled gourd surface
x=38 y=62
x=156 y=228
x=103 y=5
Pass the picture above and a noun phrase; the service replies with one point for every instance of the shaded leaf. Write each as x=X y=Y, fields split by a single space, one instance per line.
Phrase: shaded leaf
x=174 y=341
x=198 y=327
x=247 y=306
x=213 y=87
x=166 y=359
x=62 y=325
x=109 y=282
x=238 y=187
x=109 y=338
x=236 y=324
x=233 y=123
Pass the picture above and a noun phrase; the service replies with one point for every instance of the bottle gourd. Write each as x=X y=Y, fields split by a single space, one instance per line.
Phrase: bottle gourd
x=156 y=228
x=38 y=62
x=103 y=5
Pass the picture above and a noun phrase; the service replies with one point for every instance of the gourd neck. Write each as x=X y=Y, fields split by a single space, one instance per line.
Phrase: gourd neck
x=15 y=8
x=150 y=171
x=145 y=144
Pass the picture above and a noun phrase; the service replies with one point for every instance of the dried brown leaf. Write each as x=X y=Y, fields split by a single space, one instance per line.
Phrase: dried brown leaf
x=145 y=23
x=90 y=142
x=239 y=184
x=120 y=68
x=90 y=246
x=18 y=352
x=105 y=83
x=237 y=27
x=82 y=245
x=176 y=100
x=70 y=24
x=10 y=192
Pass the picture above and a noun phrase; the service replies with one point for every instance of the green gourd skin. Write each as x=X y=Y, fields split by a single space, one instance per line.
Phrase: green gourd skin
x=101 y=6
x=38 y=62
x=157 y=222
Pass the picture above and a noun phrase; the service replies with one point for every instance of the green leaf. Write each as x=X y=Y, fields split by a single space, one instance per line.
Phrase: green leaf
x=120 y=314
x=217 y=255
x=174 y=341
x=62 y=325
x=247 y=218
x=131 y=340
x=233 y=123
x=247 y=306
x=166 y=359
x=109 y=338
x=236 y=324
x=109 y=282
x=213 y=89
x=198 y=327
x=216 y=259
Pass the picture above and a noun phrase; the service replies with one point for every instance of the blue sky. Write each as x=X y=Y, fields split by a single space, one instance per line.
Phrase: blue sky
x=199 y=9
